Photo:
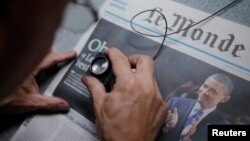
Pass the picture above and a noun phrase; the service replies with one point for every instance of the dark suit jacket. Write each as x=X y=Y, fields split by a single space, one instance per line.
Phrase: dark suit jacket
x=184 y=107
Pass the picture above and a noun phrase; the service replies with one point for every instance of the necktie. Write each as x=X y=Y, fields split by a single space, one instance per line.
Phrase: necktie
x=194 y=117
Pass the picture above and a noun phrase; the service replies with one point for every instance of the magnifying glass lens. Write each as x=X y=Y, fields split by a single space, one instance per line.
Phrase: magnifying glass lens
x=99 y=65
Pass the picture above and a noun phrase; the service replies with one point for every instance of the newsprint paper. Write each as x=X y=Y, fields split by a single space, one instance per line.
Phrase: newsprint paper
x=216 y=47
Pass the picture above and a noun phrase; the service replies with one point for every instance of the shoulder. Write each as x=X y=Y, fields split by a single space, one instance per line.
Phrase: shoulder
x=181 y=102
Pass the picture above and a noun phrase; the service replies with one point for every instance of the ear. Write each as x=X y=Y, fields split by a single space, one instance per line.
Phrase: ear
x=226 y=98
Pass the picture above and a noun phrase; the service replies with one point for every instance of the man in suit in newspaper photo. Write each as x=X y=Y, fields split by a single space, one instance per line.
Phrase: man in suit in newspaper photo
x=188 y=118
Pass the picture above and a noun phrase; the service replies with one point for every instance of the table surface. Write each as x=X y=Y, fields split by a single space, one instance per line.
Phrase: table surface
x=78 y=18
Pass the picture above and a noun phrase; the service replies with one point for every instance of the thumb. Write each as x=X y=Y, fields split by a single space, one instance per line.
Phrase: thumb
x=194 y=123
x=175 y=110
x=49 y=103
x=96 y=89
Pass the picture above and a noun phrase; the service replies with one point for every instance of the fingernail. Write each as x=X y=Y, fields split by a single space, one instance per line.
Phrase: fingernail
x=106 y=50
x=85 y=78
x=74 y=53
x=63 y=106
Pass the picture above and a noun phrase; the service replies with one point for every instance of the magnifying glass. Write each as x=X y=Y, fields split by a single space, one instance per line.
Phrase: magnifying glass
x=100 y=65
x=101 y=68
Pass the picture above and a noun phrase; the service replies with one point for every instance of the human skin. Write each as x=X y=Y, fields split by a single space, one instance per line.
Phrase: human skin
x=211 y=93
x=27 y=30
x=134 y=110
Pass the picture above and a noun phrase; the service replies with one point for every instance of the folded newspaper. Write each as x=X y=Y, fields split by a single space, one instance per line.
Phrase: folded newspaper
x=217 y=48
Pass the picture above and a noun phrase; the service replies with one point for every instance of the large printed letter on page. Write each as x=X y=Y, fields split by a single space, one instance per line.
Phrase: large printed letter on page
x=216 y=51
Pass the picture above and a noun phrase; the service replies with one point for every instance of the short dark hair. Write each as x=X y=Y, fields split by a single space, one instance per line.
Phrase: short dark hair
x=225 y=80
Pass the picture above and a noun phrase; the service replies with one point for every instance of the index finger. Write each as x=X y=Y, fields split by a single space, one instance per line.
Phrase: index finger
x=144 y=64
x=119 y=61
x=54 y=58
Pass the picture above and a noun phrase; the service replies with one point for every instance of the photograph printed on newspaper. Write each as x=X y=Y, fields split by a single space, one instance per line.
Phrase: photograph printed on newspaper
x=182 y=79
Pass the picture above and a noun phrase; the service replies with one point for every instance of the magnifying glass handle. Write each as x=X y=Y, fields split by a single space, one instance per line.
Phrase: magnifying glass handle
x=107 y=78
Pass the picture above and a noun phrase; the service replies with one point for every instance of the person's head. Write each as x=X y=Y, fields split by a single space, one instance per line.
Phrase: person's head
x=216 y=89
x=27 y=29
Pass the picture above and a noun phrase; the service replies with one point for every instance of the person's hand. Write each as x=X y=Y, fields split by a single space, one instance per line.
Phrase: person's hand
x=192 y=130
x=171 y=120
x=134 y=110
x=27 y=98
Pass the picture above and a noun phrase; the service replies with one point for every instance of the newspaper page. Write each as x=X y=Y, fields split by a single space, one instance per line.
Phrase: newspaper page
x=217 y=47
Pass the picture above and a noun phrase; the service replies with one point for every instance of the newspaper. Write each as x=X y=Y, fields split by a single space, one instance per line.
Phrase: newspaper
x=186 y=61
